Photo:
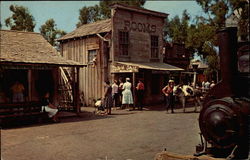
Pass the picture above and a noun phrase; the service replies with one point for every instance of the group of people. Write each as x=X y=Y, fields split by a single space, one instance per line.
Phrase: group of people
x=18 y=90
x=168 y=91
x=207 y=85
x=119 y=94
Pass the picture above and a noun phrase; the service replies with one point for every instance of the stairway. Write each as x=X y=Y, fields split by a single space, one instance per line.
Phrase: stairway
x=65 y=90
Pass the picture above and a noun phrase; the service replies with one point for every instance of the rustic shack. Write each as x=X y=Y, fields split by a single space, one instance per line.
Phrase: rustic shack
x=28 y=58
x=129 y=44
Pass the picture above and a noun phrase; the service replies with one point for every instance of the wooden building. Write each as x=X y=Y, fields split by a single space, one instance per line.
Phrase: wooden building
x=176 y=54
x=127 y=45
x=28 y=58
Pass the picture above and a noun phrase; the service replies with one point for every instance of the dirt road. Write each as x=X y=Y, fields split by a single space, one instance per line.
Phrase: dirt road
x=125 y=135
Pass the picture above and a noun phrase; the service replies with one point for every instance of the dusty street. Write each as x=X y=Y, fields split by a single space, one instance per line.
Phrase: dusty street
x=133 y=135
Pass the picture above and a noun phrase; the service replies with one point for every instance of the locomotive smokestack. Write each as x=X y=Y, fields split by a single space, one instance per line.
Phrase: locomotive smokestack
x=228 y=59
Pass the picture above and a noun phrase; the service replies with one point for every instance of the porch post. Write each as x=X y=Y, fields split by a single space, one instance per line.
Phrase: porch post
x=78 y=109
x=134 y=88
x=73 y=84
x=30 y=85
x=195 y=77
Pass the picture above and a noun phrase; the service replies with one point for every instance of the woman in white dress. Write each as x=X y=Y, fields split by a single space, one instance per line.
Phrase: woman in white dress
x=127 y=98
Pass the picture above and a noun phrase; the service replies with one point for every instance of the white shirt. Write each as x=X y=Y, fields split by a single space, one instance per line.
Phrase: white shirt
x=114 y=88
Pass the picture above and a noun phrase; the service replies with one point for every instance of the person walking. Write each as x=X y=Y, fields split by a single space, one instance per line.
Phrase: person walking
x=115 y=94
x=168 y=92
x=127 y=98
x=108 y=102
x=120 y=92
x=140 y=94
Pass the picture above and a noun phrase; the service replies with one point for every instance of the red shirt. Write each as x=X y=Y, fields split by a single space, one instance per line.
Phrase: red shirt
x=140 y=86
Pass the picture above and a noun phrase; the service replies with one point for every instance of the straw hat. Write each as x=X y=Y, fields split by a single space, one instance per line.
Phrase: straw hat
x=171 y=81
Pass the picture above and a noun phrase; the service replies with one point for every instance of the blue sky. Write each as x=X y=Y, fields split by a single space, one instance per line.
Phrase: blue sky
x=66 y=13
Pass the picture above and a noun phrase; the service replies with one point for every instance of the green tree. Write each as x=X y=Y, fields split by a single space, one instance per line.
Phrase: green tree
x=21 y=19
x=50 y=32
x=103 y=10
x=201 y=39
x=198 y=38
x=219 y=10
x=89 y=15
x=176 y=29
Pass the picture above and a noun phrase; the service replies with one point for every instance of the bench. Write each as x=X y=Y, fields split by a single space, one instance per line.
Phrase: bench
x=21 y=110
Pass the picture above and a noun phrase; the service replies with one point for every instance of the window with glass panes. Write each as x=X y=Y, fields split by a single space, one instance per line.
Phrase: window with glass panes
x=123 y=43
x=91 y=55
x=154 y=47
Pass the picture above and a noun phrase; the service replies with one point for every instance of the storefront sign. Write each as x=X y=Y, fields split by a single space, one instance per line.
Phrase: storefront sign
x=139 y=27
x=117 y=68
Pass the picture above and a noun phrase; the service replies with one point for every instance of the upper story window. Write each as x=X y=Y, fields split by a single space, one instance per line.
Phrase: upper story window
x=154 y=47
x=123 y=43
x=92 y=55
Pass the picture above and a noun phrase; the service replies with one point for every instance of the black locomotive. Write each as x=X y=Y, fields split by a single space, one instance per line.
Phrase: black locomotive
x=224 y=118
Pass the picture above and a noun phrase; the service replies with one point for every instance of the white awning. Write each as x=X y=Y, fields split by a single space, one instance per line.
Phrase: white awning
x=120 y=67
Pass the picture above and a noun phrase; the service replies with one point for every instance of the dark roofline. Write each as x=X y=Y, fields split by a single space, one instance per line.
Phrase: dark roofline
x=37 y=64
x=138 y=9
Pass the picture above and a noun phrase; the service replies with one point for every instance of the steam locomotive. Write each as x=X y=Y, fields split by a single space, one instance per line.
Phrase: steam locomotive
x=224 y=117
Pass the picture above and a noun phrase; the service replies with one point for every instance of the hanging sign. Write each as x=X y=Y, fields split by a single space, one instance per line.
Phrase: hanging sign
x=119 y=68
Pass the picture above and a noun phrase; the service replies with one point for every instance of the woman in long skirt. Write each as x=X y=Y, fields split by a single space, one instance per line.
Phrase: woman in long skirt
x=108 y=101
x=127 y=98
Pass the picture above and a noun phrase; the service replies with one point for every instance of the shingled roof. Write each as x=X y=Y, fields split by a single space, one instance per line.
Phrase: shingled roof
x=89 y=29
x=29 y=48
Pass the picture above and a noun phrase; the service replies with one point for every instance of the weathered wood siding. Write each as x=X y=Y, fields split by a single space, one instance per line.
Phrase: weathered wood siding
x=140 y=28
x=91 y=77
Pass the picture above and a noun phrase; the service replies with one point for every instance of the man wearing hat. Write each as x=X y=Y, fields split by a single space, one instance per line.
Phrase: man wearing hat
x=168 y=92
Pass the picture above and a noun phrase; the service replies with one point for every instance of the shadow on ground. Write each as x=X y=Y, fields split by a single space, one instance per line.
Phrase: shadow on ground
x=65 y=117
x=88 y=113
x=162 y=107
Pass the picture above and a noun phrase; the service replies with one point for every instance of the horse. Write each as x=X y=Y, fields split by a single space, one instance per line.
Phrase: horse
x=186 y=93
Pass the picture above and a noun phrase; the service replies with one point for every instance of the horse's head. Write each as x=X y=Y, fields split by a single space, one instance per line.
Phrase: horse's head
x=177 y=90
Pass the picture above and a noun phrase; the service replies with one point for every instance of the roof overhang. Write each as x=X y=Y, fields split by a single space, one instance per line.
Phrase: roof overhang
x=126 y=67
x=28 y=65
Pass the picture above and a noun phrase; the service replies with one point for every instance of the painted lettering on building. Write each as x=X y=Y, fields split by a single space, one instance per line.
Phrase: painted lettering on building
x=139 y=27
x=117 y=68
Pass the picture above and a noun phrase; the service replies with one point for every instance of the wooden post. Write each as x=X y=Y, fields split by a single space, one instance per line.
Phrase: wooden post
x=195 y=79
x=78 y=109
x=30 y=85
x=134 y=88
x=73 y=86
